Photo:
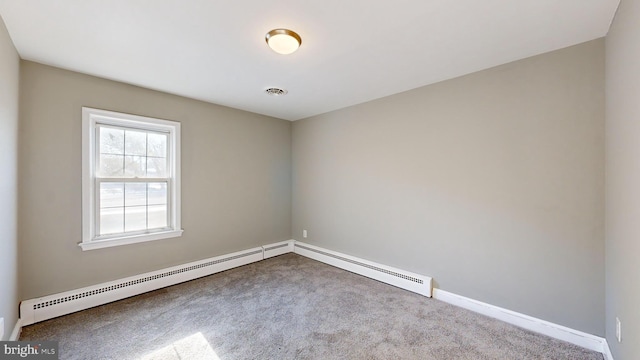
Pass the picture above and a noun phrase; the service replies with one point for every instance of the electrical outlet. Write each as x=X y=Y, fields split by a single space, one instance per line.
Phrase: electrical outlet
x=618 y=330
x=1 y=328
x=304 y=234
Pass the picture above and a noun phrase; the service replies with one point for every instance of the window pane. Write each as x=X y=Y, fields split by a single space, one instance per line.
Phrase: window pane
x=157 y=193
x=135 y=194
x=157 y=216
x=135 y=142
x=156 y=167
x=157 y=145
x=135 y=218
x=111 y=221
x=135 y=166
x=111 y=166
x=111 y=141
x=111 y=195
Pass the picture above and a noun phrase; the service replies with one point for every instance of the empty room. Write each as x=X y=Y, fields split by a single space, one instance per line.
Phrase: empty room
x=202 y=179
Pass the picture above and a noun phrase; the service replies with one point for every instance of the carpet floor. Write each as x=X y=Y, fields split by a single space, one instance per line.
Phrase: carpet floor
x=290 y=307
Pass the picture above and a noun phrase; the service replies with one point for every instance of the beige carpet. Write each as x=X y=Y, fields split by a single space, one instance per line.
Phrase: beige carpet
x=290 y=307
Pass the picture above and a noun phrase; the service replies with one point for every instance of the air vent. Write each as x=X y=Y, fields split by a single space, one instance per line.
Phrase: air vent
x=276 y=92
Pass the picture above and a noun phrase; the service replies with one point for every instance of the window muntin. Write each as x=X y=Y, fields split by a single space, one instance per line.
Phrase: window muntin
x=131 y=177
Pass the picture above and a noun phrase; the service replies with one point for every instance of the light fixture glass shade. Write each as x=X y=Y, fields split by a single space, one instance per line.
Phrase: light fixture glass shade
x=283 y=41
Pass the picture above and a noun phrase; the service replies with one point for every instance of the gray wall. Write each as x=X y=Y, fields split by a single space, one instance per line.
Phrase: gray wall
x=492 y=183
x=236 y=180
x=623 y=179
x=9 y=90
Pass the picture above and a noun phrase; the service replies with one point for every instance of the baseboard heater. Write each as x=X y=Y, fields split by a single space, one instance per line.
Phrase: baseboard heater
x=278 y=249
x=403 y=279
x=47 y=307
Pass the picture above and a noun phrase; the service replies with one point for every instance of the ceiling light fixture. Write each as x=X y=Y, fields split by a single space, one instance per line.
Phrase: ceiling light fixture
x=283 y=41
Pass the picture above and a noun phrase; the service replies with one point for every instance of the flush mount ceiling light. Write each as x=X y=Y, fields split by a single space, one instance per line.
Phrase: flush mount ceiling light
x=283 y=41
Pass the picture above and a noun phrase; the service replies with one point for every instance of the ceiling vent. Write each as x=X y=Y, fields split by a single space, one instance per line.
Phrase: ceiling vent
x=276 y=92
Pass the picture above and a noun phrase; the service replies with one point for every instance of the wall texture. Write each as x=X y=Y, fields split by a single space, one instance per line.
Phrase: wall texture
x=623 y=177
x=492 y=183
x=9 y=90
x=236 y=180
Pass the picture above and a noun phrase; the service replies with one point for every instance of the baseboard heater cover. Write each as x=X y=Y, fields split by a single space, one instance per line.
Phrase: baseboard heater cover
x=47 y=307
x=400 y=278
x=278 y=249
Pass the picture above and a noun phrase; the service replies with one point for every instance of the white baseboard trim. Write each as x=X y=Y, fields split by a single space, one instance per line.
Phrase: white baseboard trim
x=400 y=278
x=15 y=334
x=47 y=307
x=606 y=351
x=576 y=337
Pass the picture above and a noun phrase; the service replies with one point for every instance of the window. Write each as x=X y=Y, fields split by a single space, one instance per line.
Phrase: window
x=131 y=179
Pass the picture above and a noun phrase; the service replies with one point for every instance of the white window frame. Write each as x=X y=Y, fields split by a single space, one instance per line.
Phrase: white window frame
x=91 y=119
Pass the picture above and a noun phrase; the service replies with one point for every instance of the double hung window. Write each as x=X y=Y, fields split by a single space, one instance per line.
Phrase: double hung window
x=131 y=179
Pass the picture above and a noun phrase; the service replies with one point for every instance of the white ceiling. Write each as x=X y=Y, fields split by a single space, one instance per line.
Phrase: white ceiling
x=352 y=50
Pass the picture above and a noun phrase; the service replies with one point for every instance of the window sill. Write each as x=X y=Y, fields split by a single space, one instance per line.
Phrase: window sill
x=99 y=244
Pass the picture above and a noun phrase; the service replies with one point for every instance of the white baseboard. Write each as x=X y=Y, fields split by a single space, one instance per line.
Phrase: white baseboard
x=400 y=278
x=576 y=337
x=47 y=307
x=606 y=351
x=15 y=334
